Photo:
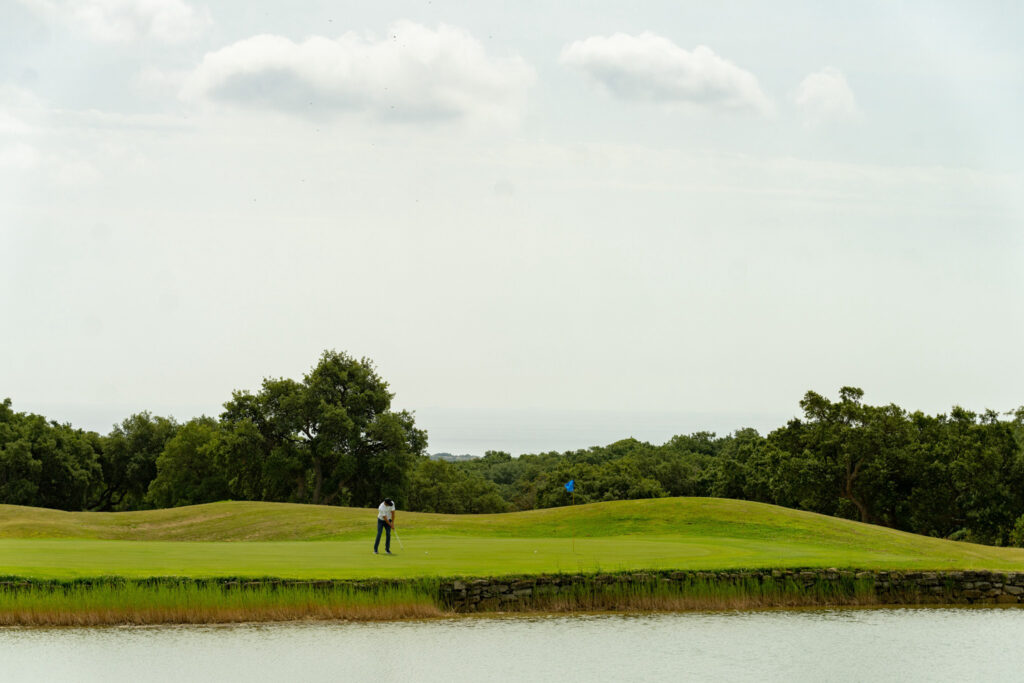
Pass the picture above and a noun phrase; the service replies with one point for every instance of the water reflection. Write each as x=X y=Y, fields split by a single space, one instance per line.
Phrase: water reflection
x=833 y=645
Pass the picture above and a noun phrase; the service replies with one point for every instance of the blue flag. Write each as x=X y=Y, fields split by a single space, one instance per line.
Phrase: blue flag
x=570 y=485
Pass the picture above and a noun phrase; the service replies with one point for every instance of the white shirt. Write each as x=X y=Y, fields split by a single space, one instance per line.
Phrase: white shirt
x=384 y=511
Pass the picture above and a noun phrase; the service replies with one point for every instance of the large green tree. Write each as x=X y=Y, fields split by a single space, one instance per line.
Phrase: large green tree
x=129 y=458
x=191 y=468
x=46 y=464
x=843 y=453
x=330 y=439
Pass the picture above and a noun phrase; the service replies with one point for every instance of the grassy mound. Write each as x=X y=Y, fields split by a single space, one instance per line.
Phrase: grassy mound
x=273 y=539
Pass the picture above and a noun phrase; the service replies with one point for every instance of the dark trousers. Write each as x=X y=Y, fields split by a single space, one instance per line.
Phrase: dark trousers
x=383 y=526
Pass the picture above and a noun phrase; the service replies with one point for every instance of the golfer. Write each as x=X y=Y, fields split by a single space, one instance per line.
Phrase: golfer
x=385 y=522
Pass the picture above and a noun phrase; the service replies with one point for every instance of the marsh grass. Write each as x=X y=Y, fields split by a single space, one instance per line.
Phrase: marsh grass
x=169 y=600
x=700 y=594
x=192 y=603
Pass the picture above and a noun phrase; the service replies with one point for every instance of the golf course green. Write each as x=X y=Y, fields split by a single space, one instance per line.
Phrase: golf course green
x=251 y=539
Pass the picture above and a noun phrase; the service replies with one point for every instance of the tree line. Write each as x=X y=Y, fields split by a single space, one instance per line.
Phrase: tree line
x=959 y=475
x=332 y=438
x=329 y=439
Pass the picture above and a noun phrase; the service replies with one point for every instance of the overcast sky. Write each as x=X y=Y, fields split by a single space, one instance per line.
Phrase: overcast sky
x=551 y=225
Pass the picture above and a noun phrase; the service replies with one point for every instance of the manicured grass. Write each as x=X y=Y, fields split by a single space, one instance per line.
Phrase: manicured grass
x=678 y=533
x=252 y=521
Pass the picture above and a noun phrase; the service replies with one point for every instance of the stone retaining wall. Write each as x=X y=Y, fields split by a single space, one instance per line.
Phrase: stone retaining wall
x=949 y=587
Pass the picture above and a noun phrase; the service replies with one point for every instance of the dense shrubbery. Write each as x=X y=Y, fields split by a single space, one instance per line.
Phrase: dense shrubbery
x=332 y=439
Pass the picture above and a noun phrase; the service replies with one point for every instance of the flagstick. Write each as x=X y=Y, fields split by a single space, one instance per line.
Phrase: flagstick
x=574 y=523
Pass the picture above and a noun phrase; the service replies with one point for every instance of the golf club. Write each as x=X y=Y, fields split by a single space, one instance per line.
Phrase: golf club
x=400 y=545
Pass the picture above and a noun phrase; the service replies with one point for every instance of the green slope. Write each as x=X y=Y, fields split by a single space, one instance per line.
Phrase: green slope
x=273 y=539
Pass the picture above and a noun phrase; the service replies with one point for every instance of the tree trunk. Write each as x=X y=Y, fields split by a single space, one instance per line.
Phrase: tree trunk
x=329 y=499
x=318 y=480
x=103 y=502
x=851 y=477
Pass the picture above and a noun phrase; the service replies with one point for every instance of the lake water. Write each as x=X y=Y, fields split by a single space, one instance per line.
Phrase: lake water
x=819 y=645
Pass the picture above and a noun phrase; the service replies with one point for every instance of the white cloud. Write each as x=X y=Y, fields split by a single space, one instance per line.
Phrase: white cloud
x=168 y=21
x=160 y=82
x=17 y=97
x=12 y=125
x=412 y=73
x=18 y=155
x=31 y=145
x=825 y=95
x=15 y=151
x=650 y=67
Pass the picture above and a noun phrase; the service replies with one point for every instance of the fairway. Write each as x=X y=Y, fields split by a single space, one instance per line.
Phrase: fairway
x=316 y=542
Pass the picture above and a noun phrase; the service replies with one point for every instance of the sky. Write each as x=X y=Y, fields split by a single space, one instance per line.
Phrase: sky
x=549 y=225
